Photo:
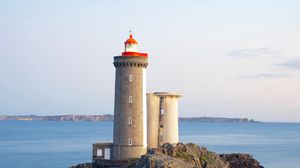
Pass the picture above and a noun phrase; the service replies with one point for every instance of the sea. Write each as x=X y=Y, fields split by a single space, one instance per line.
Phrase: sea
x=55 y=144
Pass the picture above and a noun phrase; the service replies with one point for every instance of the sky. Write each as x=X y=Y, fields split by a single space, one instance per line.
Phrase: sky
x=229 y=58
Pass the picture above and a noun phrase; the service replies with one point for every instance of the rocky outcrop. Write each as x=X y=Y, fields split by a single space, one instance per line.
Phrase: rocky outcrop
x=84 y=165
x=240 y=160
x=191 y=156
x=188 y=156
x=184 y=156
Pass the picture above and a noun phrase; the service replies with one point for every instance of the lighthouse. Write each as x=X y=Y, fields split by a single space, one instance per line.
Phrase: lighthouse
x=130 y=111
x=141 y=121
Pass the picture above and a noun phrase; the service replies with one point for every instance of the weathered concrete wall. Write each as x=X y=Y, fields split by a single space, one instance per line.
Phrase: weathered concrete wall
x=170 y=134
x=124 y=110
x=152 y=120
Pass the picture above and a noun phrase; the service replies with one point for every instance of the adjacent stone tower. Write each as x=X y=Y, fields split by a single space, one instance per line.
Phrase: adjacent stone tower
x=130 y=124
x=153 y=120
x=162 y=118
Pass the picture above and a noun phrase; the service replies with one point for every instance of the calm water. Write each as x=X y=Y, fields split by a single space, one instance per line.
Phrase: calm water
x=50 y=144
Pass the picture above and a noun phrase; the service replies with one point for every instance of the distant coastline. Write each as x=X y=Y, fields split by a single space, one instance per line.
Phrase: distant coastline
x=109 y=117
x=218 y=119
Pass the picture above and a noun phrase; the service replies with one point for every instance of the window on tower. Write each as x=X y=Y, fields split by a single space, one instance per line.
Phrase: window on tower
x=130 y=141
x=130 y=77
x=129 y=120
x=130 y=99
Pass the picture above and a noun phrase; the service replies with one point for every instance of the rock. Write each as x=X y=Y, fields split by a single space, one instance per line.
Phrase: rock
x=188 y=156
x=237 y=160
x=168 y=149
x=84 y=165
x=181 y=156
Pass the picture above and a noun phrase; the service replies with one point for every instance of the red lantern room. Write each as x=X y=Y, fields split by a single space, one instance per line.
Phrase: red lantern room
x=131 y=48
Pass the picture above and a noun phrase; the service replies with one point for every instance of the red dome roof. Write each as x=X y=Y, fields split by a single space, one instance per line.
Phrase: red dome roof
x=131 y=40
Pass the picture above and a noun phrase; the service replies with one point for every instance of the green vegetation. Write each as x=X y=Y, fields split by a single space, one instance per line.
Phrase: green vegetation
x=183 y=155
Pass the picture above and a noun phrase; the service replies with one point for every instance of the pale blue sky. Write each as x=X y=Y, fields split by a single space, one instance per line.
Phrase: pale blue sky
x=230 y=58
